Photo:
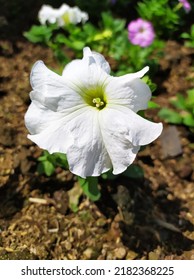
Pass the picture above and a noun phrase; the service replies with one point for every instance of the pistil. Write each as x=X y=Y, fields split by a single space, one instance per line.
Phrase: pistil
x=97 y=101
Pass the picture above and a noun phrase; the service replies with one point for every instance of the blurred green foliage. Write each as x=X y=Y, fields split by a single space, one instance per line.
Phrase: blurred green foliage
x=184 y=113
x=189 y=37
x=165 y=18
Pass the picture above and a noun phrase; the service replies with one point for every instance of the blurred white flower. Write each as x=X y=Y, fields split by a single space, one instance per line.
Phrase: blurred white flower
x=62 y=16
x=90 y=115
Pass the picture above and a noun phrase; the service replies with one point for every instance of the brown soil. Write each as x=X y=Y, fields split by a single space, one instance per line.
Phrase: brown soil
x=149 y=218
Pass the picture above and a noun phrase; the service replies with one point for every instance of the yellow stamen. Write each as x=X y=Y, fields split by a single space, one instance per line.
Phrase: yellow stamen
x=98 y=102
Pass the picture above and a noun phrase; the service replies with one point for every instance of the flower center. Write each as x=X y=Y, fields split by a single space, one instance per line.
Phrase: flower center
x=66 y=18
x=141 y=30
x=97 y=101
x=94 y=96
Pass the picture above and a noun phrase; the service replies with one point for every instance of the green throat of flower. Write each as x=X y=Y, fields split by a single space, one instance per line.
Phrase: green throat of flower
x=66 y=18
x=95 y=97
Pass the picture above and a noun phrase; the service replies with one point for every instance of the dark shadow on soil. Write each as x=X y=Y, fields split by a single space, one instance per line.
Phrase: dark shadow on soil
x=148 y=218
x=11 y=200
x=12 y=197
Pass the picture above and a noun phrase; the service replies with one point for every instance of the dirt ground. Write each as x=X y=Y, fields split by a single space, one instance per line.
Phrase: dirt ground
x=147 y=218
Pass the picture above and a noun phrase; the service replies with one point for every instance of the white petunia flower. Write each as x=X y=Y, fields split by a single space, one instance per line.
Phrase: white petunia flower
x=47 y=14
x=72 y=15
x=90 y=115
x=62 y=16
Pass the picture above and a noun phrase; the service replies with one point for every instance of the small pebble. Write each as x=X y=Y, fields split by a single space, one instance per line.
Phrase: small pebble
x=120 y=253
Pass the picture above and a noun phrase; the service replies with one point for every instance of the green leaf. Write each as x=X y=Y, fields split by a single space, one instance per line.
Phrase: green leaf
x=39 y=34
x=153 y=105
x=109 y=176
x=185 y=35
x=71 y=42
x=60 y=159
x=149 y=82
x=141 y=113
x=90 y=187
x=107 y=19
x=162 y=15
x=89 y=31
x=48 y=162
x=134 y=171
x=78 y=45
x=60 y=38
x=44 y=156
x=46 y=167
x=179 y=102
x=170 y=116
x=190 y=99
x=188 y=119
x=119 y=25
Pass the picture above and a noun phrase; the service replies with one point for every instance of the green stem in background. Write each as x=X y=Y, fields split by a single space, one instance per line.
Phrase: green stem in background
x=90 y=188
x=177 y=7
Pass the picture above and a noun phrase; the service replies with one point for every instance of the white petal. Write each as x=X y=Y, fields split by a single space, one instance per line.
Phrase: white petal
x=141 y=95
x=46 y=13
x=86 y=72
x=132 y=76
x=52 y=90
x=123 y=132
x=55 y=138
x=84 y=17
x=133 y=94
x=56 y=135
x=136 y=129
x=98 y=59
x=75 y=15
x=92 y=61
x=121 y=151
x=63 y=9
x=77 y=135
x=38 y=117
x=49 y=129
x=88 y=155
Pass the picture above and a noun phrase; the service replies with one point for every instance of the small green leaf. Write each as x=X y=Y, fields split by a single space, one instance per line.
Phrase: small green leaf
x=179 y=102
x=61 y=160
x=48 y=162
x=134 y=171
x=149 y=82
x=141 y=114
x=188 y=120
x=44 y=156
x=60 y=38
x=107 y=19
x=90 y=187
x=109 y=176
x=153 y=105
x=78 y=45
x=39 y=34
x=190 y=99
x=185 y=35
x=170 y=116
x=119 y=25
x=46 y=167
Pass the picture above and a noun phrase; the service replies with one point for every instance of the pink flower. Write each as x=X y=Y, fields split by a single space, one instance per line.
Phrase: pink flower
x=186 y=5
x=141 y=32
